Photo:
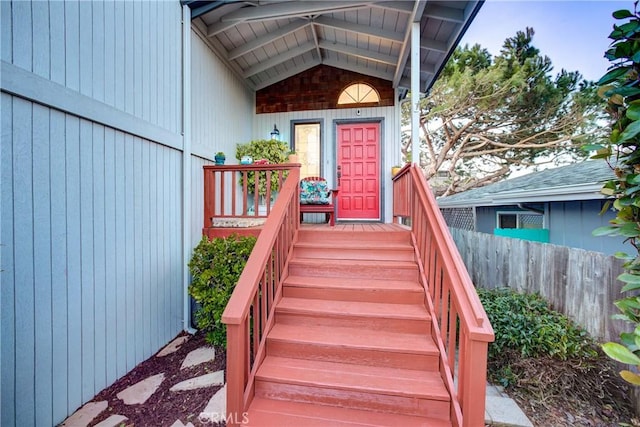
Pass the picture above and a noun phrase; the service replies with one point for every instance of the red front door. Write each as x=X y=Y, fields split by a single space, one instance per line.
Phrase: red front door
x=359 y=161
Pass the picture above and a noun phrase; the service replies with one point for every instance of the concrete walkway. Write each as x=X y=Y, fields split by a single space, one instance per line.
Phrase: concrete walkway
x=501 y=410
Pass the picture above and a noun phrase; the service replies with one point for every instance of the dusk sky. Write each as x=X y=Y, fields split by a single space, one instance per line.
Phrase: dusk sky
x=574 y=34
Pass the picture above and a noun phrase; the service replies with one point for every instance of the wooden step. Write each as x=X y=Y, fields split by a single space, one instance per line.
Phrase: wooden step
x=267 y=412
x=355 y=250
x=371 y=290
x=354 y=269
x=391 y=390
x=332 y=236
x=409 y=318
x=354 y=345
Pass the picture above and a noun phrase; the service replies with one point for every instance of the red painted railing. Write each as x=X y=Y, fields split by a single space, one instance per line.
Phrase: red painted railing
x=460 y=325
x=227 y=190
x=250 y=311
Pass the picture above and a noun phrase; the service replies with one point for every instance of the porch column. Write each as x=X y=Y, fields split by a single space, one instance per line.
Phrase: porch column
x=415 y=93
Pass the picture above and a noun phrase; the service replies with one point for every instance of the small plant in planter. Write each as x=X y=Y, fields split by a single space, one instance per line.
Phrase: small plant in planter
x=395 y=169
x=273 y=151
x=220 y=158
x=293 y=156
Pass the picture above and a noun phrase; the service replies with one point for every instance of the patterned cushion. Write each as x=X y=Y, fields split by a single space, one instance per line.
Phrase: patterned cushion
x=314 y=193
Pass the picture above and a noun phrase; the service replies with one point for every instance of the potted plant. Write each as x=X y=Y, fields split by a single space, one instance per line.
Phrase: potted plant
x=220 y=158
x=293 y=156
x=395 y=169
x=269 y=150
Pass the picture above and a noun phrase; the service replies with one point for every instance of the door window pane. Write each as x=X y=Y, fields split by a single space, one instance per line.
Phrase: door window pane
x=307 y=146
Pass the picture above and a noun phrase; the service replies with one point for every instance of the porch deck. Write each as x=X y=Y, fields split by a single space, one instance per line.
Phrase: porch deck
x=355 y=226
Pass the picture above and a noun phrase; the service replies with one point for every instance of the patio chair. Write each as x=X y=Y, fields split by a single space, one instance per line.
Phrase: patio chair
x=316 y=197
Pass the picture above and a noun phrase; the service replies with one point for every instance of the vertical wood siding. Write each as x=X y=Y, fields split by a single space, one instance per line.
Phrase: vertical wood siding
x=571 y=224
x=390 y=139
x=221 y=117
x=222 y=107
x=90 y=214
x=91 y=260
x=125 y=54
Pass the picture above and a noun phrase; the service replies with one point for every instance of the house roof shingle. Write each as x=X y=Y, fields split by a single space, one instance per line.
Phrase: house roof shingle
x=578 y=181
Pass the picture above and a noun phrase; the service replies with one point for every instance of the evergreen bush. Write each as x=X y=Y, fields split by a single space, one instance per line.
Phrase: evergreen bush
x=215 y=268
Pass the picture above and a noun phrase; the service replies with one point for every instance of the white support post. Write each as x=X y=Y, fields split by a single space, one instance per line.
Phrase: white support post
x=415 y=93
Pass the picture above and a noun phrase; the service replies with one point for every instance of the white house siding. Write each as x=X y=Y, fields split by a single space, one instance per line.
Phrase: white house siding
x=90 y=208
x=390 y=139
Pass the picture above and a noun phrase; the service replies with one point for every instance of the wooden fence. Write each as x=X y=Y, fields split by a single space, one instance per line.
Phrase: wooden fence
x=581 y=284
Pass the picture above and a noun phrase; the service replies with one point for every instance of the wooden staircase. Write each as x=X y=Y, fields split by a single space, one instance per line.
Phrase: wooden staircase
x=351 y=343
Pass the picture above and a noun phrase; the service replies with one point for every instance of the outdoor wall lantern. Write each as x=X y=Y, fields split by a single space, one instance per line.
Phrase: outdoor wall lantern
x=275 y=133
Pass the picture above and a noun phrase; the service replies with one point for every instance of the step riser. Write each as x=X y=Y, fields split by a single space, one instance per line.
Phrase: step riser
x=370 y=253
x=384 y=296
x=356 y=356
x=328 y=236
x=409 y=326
x=355 y=271
x=354 y=399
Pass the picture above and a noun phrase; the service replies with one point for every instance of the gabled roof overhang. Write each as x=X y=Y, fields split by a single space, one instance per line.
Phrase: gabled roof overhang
x=265 y=42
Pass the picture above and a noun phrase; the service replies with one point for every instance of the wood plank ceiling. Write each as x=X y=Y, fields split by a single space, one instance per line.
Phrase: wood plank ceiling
x=268 y=41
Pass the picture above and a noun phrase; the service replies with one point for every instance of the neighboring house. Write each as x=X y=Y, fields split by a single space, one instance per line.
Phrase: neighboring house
x=560 y=206
x=109 y=110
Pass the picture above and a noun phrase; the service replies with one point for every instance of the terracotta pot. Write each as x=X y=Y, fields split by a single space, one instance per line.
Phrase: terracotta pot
x=293 y=158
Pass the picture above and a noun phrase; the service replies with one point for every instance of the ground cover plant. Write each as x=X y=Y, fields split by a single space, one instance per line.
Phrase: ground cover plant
x=550 y=366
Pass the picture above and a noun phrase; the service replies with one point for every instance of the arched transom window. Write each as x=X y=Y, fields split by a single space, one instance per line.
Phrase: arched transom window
x=358 y=93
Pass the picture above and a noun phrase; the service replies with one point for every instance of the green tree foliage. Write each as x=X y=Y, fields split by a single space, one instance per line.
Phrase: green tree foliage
x=620 y=86
x=488 y=116
x=215 y=267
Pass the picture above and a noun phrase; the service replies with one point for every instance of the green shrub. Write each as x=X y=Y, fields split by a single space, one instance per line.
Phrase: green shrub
x=525 y=323
x=215 y=268
x=271 y=149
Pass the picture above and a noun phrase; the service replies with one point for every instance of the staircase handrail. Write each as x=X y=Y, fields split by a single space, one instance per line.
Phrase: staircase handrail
x=249 y=312
x=451 y=297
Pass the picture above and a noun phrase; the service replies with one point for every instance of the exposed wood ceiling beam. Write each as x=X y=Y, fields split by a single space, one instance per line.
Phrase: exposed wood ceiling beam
x=218 y=27
x=396 y=6
x=359 y=28
x=416 y=16
x=315 y=40
x=430 y=44
x=267 y=38
x=358 y=69
x=291 y=10
x=360 y=53
x=278 y=59
x=290 y=72
x=445 y=13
